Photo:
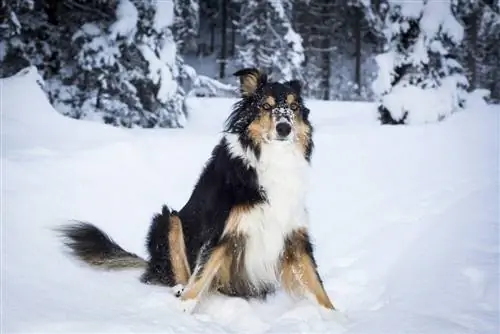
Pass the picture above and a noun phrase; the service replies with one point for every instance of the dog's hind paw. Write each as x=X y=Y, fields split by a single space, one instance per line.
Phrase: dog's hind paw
x=178 y=290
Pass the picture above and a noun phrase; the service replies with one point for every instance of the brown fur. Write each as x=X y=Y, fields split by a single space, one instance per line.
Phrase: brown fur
x=177 y=250
x=271 y=100
x=299 y=273
x=303 y=133
x=202 y=281
x=260 y=129
x=234 y=219
x=116 y=263
x=231 y=275
x=249 y=82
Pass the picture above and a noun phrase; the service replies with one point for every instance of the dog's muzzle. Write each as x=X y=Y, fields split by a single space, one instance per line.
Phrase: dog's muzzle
x=284 y=119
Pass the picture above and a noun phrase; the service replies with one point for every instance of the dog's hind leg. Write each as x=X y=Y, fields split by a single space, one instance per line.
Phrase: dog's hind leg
x=168 y=263
x=299 y=272
x=177 y=250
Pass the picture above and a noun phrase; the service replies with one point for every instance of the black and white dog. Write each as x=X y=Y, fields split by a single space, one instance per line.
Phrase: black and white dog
x=244 y=230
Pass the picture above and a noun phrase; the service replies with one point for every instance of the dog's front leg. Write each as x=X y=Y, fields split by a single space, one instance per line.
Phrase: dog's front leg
x=299 y=271
x=202 y=277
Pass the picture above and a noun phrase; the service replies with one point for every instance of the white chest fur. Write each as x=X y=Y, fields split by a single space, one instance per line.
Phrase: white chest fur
x=283 y=173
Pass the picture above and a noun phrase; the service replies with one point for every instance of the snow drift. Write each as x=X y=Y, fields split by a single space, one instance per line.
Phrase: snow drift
x=404 y=219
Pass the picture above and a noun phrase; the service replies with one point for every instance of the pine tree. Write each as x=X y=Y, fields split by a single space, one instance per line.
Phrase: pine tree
x=419 y=78
x=111 y=61
x=480 y=52
x=186 y=25
x=269 y=40
x=340 y=38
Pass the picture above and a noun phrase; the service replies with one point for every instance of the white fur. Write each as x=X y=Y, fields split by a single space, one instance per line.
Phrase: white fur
x=237 y=151
x=283 y=173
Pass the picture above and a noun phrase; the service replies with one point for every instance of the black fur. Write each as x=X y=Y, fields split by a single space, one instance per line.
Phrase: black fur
x=224 y=183
x=159 y=269
x=89 y=243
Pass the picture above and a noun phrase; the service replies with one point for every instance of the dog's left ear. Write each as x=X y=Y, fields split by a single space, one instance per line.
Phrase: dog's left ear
x=251 y=79
x=296 y=85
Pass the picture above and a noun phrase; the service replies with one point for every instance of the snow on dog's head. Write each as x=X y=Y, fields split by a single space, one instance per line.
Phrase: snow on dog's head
x=270 y=112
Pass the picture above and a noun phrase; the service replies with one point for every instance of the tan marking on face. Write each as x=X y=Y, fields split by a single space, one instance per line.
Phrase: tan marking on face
x=177 y=250
x=290 y=98
x=271 y=100
x=303 y=133
x=261 y=128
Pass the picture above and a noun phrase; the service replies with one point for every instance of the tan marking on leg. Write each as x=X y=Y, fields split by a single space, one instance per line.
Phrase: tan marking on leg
x=177 y=250
x=311 y=282
x=231 y=269
x=299 y=274
x=234 y=219
x=288 y=279
x=203 y=281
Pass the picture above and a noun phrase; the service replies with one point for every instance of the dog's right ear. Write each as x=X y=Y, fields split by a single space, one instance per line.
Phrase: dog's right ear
x=250 y=80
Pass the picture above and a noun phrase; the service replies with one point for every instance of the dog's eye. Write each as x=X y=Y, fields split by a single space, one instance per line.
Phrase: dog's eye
x=266 y=106
x=294 y=106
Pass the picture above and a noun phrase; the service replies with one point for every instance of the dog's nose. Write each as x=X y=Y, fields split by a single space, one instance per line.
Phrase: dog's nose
x=283 y=129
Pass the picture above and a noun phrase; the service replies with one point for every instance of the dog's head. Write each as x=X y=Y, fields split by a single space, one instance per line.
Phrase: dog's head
x=270 y=111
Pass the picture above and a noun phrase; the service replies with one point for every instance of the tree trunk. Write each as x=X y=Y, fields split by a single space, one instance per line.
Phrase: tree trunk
x=357 y=36
x=223 y=38
x=233 y=38
x=326 y=66
x=326 y=7
x=472 y=31
x=212 y=37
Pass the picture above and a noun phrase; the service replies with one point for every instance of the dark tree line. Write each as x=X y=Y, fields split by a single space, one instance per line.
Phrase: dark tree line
x=102 y=57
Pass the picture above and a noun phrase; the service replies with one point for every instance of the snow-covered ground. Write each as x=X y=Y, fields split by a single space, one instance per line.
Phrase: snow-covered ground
x=405 y=221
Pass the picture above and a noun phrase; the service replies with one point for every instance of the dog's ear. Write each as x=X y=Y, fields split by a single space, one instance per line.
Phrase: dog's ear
x=250 y=80
x=296 y=85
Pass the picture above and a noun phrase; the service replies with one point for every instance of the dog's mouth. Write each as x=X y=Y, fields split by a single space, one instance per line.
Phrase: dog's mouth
x=284 y=139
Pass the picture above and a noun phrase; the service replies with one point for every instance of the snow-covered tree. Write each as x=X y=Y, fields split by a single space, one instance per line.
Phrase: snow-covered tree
x=155 y=41
x=186 y=24
x=269 y=40
x=116 y=62
x=419 y=78
x=480 y=51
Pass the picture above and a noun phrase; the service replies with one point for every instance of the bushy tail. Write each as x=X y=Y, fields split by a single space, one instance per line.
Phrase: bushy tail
x=91 y=245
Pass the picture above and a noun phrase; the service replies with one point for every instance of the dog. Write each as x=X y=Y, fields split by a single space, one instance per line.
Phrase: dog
x=244 y=230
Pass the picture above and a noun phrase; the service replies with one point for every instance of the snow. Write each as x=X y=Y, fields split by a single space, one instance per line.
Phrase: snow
x=159 y=72
x=126 y=24
x=386 y=64
x=405 y=221
x=437 y=17
x=409 y=9
x=422 y=105
x=164 y=16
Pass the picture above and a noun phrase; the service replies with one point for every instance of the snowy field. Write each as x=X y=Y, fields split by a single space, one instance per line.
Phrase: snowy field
x=405 y=222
